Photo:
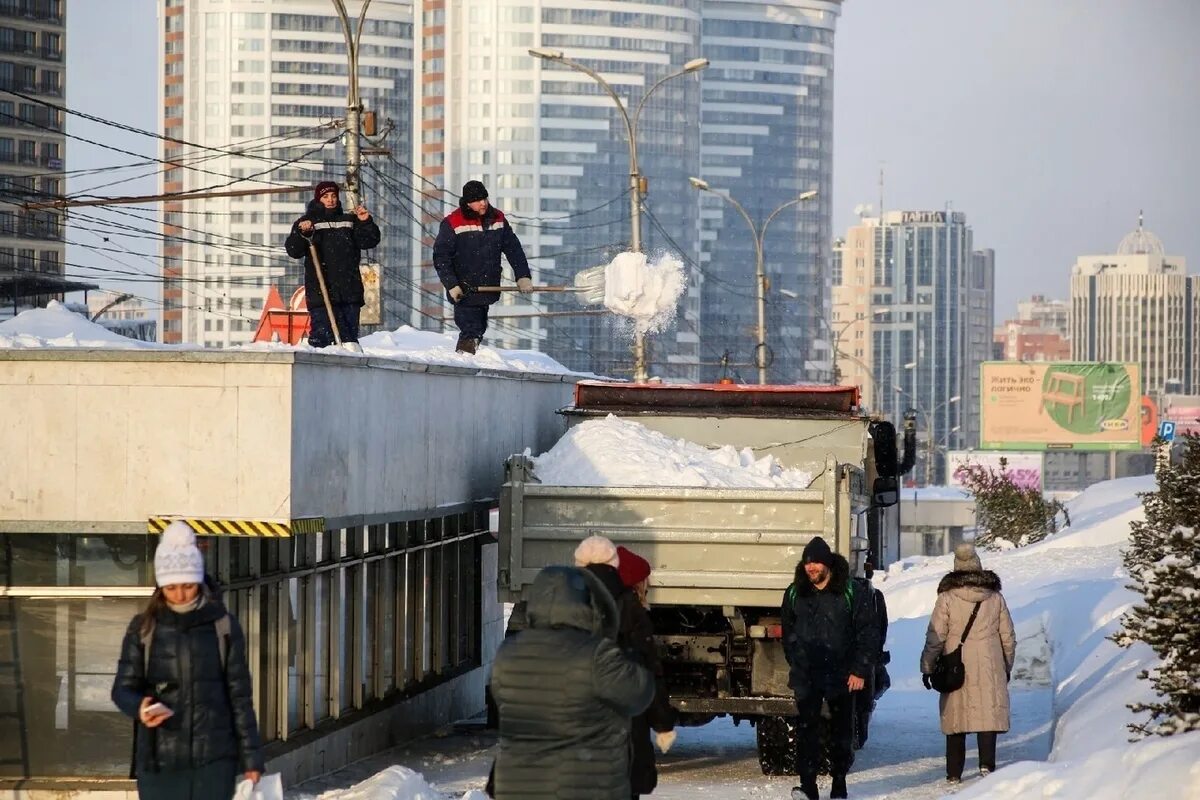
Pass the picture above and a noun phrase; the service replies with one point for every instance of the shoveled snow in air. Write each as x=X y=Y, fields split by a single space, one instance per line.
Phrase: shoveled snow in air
x=58 y=326
x=620 y=452
x=645 y=292
x=1070 y=692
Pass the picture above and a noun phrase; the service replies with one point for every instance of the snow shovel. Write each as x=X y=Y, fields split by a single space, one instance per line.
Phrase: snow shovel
x=588 y=286
x=312 y=251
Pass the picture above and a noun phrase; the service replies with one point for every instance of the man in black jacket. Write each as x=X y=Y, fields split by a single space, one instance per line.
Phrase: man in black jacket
x=339 y=239
x=466 y=254
x=830 y=638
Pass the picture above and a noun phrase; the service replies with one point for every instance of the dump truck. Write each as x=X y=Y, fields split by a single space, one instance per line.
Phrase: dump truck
x=722 y=558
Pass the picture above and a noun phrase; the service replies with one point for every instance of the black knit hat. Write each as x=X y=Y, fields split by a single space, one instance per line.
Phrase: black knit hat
x=473 y=191
x=817 y=552
x=323 y=187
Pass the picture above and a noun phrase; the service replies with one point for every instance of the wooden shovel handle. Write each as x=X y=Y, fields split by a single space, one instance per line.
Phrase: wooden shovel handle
x=534 y=289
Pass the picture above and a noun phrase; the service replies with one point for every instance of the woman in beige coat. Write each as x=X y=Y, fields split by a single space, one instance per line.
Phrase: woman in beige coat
x=981 y=705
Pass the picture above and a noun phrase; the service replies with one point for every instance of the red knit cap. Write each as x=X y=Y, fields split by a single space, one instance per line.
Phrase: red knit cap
x=633 y=568
x=323 y=187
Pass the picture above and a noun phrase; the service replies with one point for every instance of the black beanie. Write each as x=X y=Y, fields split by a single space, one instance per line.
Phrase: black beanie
x=473 y=191
x=817 y=552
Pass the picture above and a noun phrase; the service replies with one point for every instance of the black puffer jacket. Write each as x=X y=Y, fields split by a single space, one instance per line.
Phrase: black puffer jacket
x=214 y=705
x=566 y=694
x=467 y=251
x=829 y=634
x=340 y=238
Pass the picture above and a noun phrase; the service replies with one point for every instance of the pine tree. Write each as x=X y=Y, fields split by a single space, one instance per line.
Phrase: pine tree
x=1004 y=510
x=1171 y=505
x=1166 y=570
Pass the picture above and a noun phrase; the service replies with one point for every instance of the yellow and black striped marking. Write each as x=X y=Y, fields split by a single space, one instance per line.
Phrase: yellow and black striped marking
x=241 y=527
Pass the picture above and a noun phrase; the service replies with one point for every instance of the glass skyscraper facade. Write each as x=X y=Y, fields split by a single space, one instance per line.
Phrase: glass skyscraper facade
x=767 y=136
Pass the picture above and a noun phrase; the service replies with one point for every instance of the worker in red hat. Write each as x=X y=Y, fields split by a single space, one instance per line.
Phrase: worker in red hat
x=660 y=717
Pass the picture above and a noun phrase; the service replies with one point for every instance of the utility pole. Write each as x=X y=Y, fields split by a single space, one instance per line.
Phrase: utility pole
x=637 y=182
x=353 y=101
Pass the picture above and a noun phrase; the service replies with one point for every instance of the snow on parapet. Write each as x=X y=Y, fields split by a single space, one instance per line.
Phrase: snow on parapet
x=58 y=326
x=619 y=452
x=644 y=292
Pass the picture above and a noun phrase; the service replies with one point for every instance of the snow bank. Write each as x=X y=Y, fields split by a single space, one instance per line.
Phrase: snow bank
x=1067 y=595
x=395 y=783
x=620 y=452
x=430 y=347
x=58 y=326
x=645 y=292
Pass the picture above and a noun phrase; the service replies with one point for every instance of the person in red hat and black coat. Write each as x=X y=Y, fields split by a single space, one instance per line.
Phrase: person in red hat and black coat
x=339 y=238
x=467 y=253
x=660 y=717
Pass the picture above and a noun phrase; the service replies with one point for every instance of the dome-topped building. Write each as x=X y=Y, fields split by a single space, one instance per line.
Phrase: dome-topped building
x=1138 y=305
x=1140 y=242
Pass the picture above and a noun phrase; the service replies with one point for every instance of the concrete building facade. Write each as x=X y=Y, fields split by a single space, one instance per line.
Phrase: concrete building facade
x=1139 y=305
x=260 y=89
x=1040 y=332
x=912 y=316
x=32 y=152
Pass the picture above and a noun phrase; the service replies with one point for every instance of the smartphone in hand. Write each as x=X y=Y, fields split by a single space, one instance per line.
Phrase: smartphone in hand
x=159 y=710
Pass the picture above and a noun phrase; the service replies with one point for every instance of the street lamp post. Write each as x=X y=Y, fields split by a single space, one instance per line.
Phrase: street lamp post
x=636 y=180
x=353 y=101
x=760 y=275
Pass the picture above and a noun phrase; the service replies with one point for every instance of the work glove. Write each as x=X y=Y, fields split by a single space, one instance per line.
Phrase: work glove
x=665 y=740
x=456 y=294
x=927 y=680
x=524 y=285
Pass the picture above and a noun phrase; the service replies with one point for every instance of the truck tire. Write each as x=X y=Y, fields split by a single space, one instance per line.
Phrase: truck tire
x=777 y=750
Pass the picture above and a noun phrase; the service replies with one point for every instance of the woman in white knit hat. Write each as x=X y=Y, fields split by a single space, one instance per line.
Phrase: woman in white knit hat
x=183 y=677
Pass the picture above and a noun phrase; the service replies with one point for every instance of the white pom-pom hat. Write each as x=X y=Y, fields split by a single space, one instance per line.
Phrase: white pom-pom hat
x=597 y=550
x=177 y=559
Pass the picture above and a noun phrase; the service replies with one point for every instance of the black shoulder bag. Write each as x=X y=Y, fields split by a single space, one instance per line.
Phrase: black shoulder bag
x=948 y=672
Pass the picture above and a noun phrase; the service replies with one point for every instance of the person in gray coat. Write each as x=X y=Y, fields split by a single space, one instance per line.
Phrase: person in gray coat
x=981 y=706
x=566 y=695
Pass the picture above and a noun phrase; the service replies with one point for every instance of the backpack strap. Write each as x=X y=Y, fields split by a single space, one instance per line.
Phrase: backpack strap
x=147 y=638
x=224 y=632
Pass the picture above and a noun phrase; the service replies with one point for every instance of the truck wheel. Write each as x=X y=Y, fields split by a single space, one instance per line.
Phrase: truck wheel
x=777 y=750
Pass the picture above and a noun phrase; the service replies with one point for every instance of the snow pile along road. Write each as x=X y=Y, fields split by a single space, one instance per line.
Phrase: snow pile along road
x=619 y=452
x=395 y=783
x=1067 y=595
x=647 y=293
x=58 y=326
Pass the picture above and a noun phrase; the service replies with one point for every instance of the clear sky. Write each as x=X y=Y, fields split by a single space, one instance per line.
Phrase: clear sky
x=112 y=67
x=1050 y=123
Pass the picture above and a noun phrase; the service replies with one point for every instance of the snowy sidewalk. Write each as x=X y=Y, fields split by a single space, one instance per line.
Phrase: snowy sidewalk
x=904 y=758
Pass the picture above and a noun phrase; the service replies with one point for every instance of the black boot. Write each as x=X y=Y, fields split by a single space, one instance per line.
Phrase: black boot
x=807 y=790
x=466 y=345
x=839 y=787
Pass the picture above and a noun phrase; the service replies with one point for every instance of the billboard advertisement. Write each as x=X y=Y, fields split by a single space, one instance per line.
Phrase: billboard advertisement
x=1024 y=469
x=1184 y=411
x=1060 y=406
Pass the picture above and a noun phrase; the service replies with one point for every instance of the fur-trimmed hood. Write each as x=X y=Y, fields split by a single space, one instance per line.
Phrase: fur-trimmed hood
x=838 y=579
x=970 y=579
